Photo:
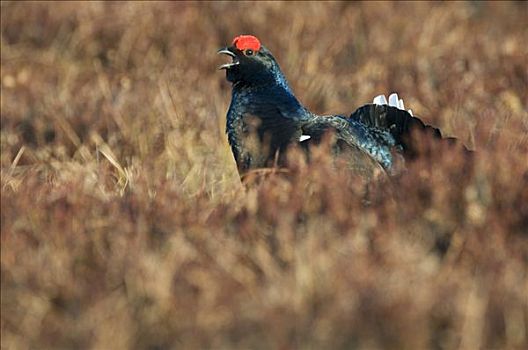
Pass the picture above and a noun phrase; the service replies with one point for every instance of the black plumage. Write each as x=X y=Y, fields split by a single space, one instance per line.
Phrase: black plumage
x=265 y=117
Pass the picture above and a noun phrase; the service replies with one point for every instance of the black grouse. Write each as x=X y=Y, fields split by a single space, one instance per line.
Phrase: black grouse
x=265 y=117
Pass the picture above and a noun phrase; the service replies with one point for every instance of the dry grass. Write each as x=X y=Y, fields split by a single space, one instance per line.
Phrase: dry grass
x=124 y=224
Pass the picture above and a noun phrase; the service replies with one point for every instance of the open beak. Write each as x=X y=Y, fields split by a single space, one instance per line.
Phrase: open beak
x=228 y=52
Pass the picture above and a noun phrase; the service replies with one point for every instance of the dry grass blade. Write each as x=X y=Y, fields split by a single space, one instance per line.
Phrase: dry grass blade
x=123 y=175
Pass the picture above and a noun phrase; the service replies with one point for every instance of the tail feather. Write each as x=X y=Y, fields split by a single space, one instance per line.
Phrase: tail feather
x=400 y=124
x=385 y=131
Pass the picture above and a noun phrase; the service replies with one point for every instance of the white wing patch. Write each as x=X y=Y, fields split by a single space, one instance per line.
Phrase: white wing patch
x=304 y=138
x=394 y=101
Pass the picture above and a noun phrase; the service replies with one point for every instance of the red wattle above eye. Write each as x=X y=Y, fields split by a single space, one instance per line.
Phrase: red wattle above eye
x=245 y=42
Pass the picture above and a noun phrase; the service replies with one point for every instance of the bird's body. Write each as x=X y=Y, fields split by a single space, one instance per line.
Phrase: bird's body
x=264 y=121
x=265 y=117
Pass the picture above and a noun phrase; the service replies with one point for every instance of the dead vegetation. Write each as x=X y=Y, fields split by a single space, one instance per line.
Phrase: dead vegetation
x=124 y=224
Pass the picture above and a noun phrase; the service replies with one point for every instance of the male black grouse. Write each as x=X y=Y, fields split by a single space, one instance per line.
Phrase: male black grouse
x=265 y=117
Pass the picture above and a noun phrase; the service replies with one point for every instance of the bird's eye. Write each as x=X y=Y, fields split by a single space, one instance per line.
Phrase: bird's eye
x=248 y=52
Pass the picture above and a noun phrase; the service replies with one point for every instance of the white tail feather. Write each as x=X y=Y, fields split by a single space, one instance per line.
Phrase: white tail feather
x=379 y=100
x=393 y=100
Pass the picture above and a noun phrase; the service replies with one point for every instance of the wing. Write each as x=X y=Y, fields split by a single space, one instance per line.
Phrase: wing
x=385 y=132
x=372 y=141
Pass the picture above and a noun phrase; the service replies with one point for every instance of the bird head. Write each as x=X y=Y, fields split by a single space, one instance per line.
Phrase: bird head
x=251 y=64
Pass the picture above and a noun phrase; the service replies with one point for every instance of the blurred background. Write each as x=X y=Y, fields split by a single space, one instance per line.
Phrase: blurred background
x=124 y=223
